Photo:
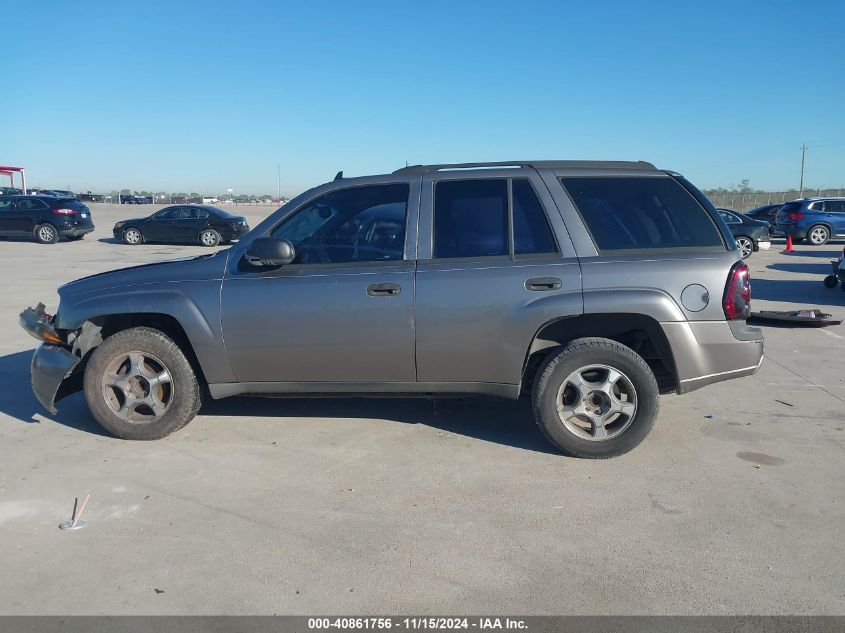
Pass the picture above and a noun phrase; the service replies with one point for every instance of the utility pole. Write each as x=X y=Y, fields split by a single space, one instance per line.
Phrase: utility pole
x=279 y=172
x=803 y=153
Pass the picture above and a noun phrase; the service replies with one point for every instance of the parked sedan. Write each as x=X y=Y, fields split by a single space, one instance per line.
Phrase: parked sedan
x=46 y=218
x=765 y=212
x=186 y=224
x=751 y=235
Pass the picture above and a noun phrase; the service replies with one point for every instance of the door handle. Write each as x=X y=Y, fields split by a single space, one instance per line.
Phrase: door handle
x=543 y=283
x=383 y=290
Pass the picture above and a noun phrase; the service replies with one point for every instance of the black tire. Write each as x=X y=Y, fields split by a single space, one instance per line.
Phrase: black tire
x=129 y=234
x=184 y=389
x=553 y=374
x=830 y=281
x=46 y=234
x=818 y=235
x=210 y=238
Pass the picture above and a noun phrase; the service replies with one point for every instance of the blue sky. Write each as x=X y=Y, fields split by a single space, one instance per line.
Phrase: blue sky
x=202 y=96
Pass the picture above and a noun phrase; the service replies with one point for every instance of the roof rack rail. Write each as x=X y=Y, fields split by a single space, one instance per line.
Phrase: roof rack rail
x=587 y=164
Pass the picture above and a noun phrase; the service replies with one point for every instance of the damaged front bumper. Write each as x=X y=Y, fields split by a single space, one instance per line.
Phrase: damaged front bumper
x=52 y=362
x=51 y=366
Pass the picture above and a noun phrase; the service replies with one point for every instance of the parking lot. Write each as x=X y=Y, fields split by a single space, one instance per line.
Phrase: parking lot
x=733 y=505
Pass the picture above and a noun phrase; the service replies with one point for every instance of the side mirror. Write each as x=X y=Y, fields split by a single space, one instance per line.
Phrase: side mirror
x=265 y=252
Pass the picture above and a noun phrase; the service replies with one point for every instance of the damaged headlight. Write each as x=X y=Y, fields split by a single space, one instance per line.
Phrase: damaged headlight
x=39 y=325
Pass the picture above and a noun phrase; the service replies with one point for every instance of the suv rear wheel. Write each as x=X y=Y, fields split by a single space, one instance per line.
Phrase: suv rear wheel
x=140 y=386
x=818 y=235
x=46 y=233
x=595 y=398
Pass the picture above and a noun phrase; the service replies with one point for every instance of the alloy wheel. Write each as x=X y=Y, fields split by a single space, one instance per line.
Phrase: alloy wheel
x=208 y=238
x=137 y=387
x=746 y=246
x=819 y=235
x=46 y=234
x=132 y=236
x=596 y=402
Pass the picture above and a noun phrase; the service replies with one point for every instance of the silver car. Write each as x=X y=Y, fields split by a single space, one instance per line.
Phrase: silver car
x=590 y=287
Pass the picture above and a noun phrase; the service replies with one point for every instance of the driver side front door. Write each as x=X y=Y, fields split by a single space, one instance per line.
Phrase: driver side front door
x=341 y=316
x=160 y=227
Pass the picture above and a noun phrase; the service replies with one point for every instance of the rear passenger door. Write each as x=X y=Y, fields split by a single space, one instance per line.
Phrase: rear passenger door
x=495 y=263
x=835 y=211
x=188 y=223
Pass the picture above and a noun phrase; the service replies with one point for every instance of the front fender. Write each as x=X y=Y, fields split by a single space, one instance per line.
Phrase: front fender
x=194 y=304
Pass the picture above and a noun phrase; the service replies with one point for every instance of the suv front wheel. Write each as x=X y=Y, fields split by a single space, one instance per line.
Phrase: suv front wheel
x=595 y=398
x=140 y=386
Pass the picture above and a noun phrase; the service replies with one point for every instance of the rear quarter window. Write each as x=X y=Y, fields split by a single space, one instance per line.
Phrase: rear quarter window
x=641 y=213
x=74 y=204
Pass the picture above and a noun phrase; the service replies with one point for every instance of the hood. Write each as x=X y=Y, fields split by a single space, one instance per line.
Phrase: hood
x=131 y=220
x=199 y=268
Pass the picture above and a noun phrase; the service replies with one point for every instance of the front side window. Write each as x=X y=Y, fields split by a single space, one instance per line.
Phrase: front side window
x=635 y=213
x=5 y=205
x=359 y=224
x=471 y=219
x=167 y=214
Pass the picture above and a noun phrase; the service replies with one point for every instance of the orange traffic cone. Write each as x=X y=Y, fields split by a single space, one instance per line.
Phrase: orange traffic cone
x=788 y=244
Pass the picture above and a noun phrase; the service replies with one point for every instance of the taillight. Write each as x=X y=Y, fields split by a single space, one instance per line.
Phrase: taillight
x=64 y=211
x=795 y=216
x=737 y=300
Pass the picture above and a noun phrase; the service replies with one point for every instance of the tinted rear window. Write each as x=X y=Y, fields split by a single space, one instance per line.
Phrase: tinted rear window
x=789 y=207
x=73 y=204
x=635 y=213
x=223 y=214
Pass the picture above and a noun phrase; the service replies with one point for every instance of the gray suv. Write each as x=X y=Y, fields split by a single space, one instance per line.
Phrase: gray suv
x=591 y=287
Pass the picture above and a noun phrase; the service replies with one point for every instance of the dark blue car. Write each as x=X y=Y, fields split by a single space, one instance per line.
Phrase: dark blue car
x=813 y=219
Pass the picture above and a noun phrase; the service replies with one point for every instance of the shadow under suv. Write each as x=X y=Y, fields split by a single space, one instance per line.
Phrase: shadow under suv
x=813 y=219
x=591 y=287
